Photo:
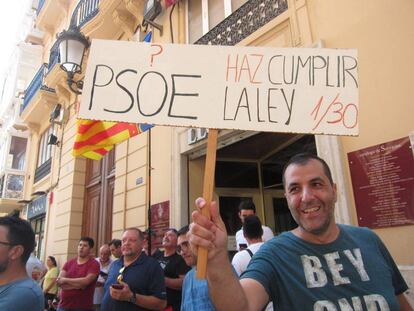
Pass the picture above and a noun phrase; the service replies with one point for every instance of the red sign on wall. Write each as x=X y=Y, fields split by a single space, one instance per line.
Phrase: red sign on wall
x=383 y=183
x=160 y=221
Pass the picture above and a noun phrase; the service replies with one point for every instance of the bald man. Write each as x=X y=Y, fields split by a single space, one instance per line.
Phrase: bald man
x=105 y=261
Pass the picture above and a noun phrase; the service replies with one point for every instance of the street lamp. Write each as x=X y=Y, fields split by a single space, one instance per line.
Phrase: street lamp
x=72 y=44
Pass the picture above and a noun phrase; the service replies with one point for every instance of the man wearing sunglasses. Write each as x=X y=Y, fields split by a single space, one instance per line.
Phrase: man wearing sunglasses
x=195 y=295
x=135 y=281
x=17 y=290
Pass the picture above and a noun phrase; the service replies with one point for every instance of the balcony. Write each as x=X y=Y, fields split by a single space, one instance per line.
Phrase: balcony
x=12 y=172
x=97 y=19
x=38 y=99
x=115 y=19
x=54 y=57
x=85 y=11
x=50 y=13
x=11 y=190
x=54 y=74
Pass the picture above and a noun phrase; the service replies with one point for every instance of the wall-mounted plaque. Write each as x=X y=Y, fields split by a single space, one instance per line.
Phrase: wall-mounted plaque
x=160 y=221
x=383 y=183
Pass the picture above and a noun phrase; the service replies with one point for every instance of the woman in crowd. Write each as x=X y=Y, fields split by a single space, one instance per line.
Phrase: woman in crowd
x=49 y=284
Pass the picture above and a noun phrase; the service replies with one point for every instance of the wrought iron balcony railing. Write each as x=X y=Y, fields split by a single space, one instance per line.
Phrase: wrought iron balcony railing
x=85 y=11
x=40 y=6
x=36 y=85
x=54 y=56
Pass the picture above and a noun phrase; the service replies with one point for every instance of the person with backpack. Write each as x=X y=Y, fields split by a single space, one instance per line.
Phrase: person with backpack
x=252 y=231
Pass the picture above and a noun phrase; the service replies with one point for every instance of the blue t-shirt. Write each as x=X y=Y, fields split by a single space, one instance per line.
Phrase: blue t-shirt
x=355 y=272
x=24 y=294
x=144 y=276
x=195 y=295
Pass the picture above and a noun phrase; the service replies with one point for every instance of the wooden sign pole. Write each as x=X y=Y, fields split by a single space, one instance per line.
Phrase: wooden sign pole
x=208 y=188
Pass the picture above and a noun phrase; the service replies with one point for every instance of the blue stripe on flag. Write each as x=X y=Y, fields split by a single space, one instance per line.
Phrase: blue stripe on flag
x=148 y=37
x=145 y=127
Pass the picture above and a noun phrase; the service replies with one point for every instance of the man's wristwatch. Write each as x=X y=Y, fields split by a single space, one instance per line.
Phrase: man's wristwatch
x=133 y=298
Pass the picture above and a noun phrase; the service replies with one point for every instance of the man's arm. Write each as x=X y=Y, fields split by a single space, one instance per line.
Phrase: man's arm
x=222 y=282
x=62 y=275
x=77 y=283
x=404 y=304
x=175 y=283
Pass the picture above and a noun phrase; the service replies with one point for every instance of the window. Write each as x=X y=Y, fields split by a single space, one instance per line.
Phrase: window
x=45 y=150
x=44 y=158
x=235 y=4
x=38 y=225
x=36 y=213
x=204 y=15
x=215 y=12
x=17 y=154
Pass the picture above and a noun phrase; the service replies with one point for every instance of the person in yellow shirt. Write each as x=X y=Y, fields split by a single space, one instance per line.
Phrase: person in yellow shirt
x=50 y=287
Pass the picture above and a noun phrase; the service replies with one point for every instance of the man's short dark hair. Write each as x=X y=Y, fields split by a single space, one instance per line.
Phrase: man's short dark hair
x=183 y=230
x=173 y=230
x=115 y=242
x=303 y=159
x=89 y=240
x=247 y=204
x=138 y=231
x=20 y=232
x=252 y=227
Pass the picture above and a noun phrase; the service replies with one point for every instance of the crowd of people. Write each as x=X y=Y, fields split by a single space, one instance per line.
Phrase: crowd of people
x=320 y=265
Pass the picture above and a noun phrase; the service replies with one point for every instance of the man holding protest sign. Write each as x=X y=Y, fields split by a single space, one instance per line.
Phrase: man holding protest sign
x=318 y=266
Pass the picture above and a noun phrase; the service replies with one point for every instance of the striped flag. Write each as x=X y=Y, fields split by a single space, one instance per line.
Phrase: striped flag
x=94 y=139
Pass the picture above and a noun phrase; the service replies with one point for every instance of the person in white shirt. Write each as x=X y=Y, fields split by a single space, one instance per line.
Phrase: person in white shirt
x=246 y=208
x=105 y=262
x=35 y=268
x=252 y=231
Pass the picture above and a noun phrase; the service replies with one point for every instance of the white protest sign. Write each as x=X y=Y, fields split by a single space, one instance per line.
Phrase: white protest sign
x=247 y=88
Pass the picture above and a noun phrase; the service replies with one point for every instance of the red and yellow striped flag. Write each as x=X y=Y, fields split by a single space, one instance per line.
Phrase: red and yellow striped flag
x=95 y=138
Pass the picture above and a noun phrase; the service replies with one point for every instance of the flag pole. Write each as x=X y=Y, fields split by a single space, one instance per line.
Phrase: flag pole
x=149 y=193
x=148 y=38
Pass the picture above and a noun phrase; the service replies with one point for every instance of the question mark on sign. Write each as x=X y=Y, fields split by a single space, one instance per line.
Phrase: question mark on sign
x=160 y=49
